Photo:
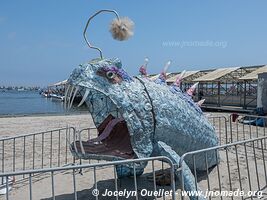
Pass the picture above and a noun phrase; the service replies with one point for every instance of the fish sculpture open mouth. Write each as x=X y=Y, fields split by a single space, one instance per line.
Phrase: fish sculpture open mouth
x=113 y=140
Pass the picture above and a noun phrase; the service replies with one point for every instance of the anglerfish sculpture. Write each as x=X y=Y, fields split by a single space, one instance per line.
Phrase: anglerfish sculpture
x=138 y=118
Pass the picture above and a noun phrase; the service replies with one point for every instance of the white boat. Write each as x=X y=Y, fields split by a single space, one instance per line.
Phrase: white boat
x=45 y=94
x=56 y=96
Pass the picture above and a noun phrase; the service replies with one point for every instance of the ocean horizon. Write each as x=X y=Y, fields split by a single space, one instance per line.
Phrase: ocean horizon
x=14 y=103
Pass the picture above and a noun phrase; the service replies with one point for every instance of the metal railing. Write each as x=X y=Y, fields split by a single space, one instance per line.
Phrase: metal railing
x=75 y=184
x=244 y=127
x=220 y=124
x=242 y=167
x=36 y=150
x=239 y=127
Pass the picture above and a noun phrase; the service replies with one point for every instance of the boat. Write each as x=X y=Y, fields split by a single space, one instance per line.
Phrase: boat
x=45 y=94
x=57 y=97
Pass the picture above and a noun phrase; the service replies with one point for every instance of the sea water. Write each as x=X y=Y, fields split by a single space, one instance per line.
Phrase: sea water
x=30 y=102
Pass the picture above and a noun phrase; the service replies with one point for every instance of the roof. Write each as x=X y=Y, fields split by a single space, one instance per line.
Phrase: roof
x=254 y=75
x=187 y=74
x=59 y=83
x=216 y=74
x=154 y=77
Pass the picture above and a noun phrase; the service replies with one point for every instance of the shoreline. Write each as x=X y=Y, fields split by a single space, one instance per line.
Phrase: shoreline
x=43 y=114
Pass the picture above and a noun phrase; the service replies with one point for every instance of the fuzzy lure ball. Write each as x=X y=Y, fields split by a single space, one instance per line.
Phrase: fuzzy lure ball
x=122 y=29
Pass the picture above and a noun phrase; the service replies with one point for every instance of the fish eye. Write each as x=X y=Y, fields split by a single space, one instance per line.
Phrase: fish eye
x=110 y=74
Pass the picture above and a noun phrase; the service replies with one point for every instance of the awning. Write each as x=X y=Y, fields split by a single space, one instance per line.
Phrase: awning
x=187 y=74
x=59 y=83
x=154 y=77
x=254 y=75
x=216 y=74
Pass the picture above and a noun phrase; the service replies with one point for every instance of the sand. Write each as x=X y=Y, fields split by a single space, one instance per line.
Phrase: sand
x=11 y=126
x=239 y=168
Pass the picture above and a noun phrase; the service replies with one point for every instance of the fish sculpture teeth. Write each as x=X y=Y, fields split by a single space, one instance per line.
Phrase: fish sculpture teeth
x=70 y=96
x=66 y=95
x=84 y=97
x=73 y=96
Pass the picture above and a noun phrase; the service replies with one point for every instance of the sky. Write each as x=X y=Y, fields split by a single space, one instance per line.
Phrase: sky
x=41 y=42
